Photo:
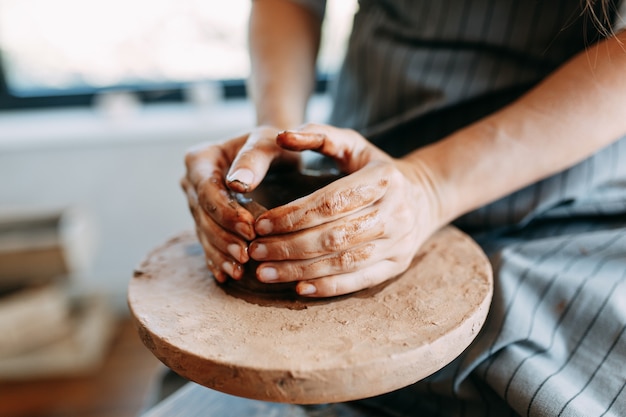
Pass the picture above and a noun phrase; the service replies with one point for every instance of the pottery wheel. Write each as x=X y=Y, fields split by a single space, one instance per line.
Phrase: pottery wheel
x=312 y=351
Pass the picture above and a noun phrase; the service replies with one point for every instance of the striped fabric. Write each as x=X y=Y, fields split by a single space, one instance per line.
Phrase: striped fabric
x=554 y=343
x=434 y=54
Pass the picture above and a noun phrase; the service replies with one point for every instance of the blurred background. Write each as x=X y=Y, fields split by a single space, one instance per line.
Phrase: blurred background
x=98 y=102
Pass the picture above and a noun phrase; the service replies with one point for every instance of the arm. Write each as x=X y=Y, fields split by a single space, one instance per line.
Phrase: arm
x=569 y=116
x=280 y=88
x=284 y=40
x=400 y=202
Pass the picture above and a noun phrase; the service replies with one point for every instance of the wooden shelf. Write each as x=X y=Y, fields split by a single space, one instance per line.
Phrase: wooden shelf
x=118 y=389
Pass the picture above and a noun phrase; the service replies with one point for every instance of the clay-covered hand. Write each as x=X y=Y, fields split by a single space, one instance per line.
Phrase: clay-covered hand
x=356 y=232
x=223 y=226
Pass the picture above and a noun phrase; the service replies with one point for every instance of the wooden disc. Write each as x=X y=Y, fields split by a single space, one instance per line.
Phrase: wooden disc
x=312 y=351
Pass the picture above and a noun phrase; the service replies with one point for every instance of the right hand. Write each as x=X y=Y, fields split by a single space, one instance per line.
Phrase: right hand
x=223 y=226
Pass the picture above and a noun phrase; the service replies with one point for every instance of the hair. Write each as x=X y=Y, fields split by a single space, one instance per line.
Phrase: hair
x=601 y=18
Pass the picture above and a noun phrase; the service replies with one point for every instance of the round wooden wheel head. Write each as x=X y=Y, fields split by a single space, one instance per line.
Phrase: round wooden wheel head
x=311 y=351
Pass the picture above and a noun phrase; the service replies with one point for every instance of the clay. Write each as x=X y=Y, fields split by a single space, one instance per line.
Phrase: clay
x=311 y=351
x=278 y=188
x=282 y=186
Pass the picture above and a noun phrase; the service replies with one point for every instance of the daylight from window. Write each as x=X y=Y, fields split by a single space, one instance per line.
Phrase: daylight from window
x=61 y=45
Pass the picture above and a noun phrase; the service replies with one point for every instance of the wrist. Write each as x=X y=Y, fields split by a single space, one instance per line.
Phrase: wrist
x=431 y=187
x=284 y=114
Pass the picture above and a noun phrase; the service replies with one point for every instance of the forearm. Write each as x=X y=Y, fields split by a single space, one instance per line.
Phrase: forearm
x=284 y=40
x=575 y=112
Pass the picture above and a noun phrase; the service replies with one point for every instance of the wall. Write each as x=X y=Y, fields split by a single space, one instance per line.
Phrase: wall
x=121 y=169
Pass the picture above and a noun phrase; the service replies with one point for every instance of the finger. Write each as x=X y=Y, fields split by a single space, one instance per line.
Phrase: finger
x=222 y=237
x=253 y=160
x=192 y=198
x=348 y=148
x=226 y=242
x=349 y=260
x=340 y=198
x=202 y=160
x=205 y=177
x=218 y=203
x=219 y=264
x=350 y=282
x=216 y=235
x=330 y=238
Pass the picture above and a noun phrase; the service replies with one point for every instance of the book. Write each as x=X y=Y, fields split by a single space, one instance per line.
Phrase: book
x=32 y=317
x=44 y=245
x=80 y=352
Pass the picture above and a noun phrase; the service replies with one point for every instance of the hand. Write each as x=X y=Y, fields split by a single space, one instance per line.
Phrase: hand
x=223 y=226
x=355 y=233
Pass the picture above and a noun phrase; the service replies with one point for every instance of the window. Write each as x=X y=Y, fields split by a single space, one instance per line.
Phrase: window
x=64 y=51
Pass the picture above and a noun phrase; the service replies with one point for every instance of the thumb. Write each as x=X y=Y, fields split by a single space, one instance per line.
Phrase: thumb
x=348 y=148
x=253 y=160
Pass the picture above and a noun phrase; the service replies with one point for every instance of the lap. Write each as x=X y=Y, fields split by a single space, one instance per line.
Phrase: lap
x=554 y=342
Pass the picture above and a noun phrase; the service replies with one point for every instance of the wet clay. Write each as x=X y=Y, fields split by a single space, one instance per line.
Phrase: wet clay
x=333 y=350
x=280 y=186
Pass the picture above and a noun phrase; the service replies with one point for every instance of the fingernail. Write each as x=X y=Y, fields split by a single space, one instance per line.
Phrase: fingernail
x=268 y=274
x=229 y=268
x=306 y=289
x=244 y=230
x=264 y=226
x=242 y=175
x=258 y=251
x=236 y=252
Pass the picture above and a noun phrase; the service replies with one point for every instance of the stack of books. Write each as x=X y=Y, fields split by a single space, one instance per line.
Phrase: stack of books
x=46 y=328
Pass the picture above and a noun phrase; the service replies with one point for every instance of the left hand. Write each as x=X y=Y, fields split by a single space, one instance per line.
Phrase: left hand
x=223 y=226
x=356 y=232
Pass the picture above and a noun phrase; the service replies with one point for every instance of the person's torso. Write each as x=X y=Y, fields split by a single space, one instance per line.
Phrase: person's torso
x=408 y=58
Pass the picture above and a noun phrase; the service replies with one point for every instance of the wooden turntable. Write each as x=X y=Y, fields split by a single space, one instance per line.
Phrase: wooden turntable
x=311 y=351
